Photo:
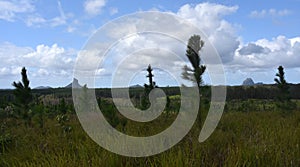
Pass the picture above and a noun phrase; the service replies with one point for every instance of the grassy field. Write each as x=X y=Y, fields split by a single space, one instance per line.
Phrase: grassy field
x=270 y=138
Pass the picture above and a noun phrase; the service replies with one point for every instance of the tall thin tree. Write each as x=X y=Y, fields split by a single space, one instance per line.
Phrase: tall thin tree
x=195 y=44
x=147 y=88
x=282 y=84
x=151 y=84
x=23 y=96
x=150 y=77
x=195 y=73
x=22 y=90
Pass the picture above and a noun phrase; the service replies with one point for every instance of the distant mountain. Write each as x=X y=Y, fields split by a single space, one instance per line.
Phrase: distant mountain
x=136 y=86
x=43 y=87
x=248 y=82
x=74 y=84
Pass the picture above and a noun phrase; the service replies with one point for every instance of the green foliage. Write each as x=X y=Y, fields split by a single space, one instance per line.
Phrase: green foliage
x=194 y=74
x=63 y=121
x=150 y=76
x=3 y=101
x=85 y=103
x=6 y=139
x=110 y=113
x=22 y=91
x=168 y=103
x=284 y=102
x=38 y=115
x=23 y=97
x=282 y=85
x=241 y=139
x=173 y=103
x=195 y=44
x=62 y=107
x=286 y=106
x=145 y=102
x=251 y=133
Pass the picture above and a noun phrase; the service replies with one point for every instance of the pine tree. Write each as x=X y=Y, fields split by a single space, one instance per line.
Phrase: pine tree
x=194 y=74
x=150 y=76
x=62 y=106
x=23 y=96
x=282 y=85
x=144 y=101
x=195 y=44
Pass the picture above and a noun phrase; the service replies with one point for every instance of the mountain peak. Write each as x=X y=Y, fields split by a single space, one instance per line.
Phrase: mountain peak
x=74 y=84
x=136 y=86
x=248 y=82
x=43 y=87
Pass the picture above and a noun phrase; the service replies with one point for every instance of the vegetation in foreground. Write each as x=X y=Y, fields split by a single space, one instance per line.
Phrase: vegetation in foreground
x=241 y=139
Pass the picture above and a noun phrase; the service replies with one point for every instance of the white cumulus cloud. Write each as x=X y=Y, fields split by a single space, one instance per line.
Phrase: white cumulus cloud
x=269 y=13
x=10 y=9
x=47 y=60
x=264 y=54
x=93 y=7
x=208 y=17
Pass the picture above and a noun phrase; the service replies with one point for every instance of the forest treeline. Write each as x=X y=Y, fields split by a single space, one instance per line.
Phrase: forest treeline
x=233 y=92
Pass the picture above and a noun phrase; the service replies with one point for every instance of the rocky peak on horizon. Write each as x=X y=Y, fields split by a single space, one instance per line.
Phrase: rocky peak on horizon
x=74 y=84
x=248 y=82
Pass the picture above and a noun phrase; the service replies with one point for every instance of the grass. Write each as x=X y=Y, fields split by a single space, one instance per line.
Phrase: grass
x=241 y=139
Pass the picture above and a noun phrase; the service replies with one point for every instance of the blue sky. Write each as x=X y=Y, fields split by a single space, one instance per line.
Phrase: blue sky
x=252 y=37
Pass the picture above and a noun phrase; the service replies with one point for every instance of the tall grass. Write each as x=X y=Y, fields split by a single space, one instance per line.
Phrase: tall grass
x=241 y=139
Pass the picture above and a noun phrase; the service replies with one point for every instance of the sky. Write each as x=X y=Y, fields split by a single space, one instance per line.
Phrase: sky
x=252 y=38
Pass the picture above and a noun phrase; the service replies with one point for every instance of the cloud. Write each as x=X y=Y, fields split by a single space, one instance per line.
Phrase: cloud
x=8 y=71
x=160 y=50
x=52 y=57
x=93 y=7
x=61 y=19
x=10 y=9
x=44 y=60
x=42 y=72
x=264 y=54
x=9 y=55
x=208 y=17
x=113 y=11
x=135 y=52
x=252 y=48
x=71 y=29
x=256 y=56
x=36 y=20
x=56 y=61
x=269 y=13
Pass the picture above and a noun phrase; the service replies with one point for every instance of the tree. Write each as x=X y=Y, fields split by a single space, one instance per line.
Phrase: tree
x=150 y=76
x=84 y=104
x=62 y=106
x=282 y=84
x=194 y=74
x=285 y=104
x=144 y=101
x=23 y=96
x=195 y=44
